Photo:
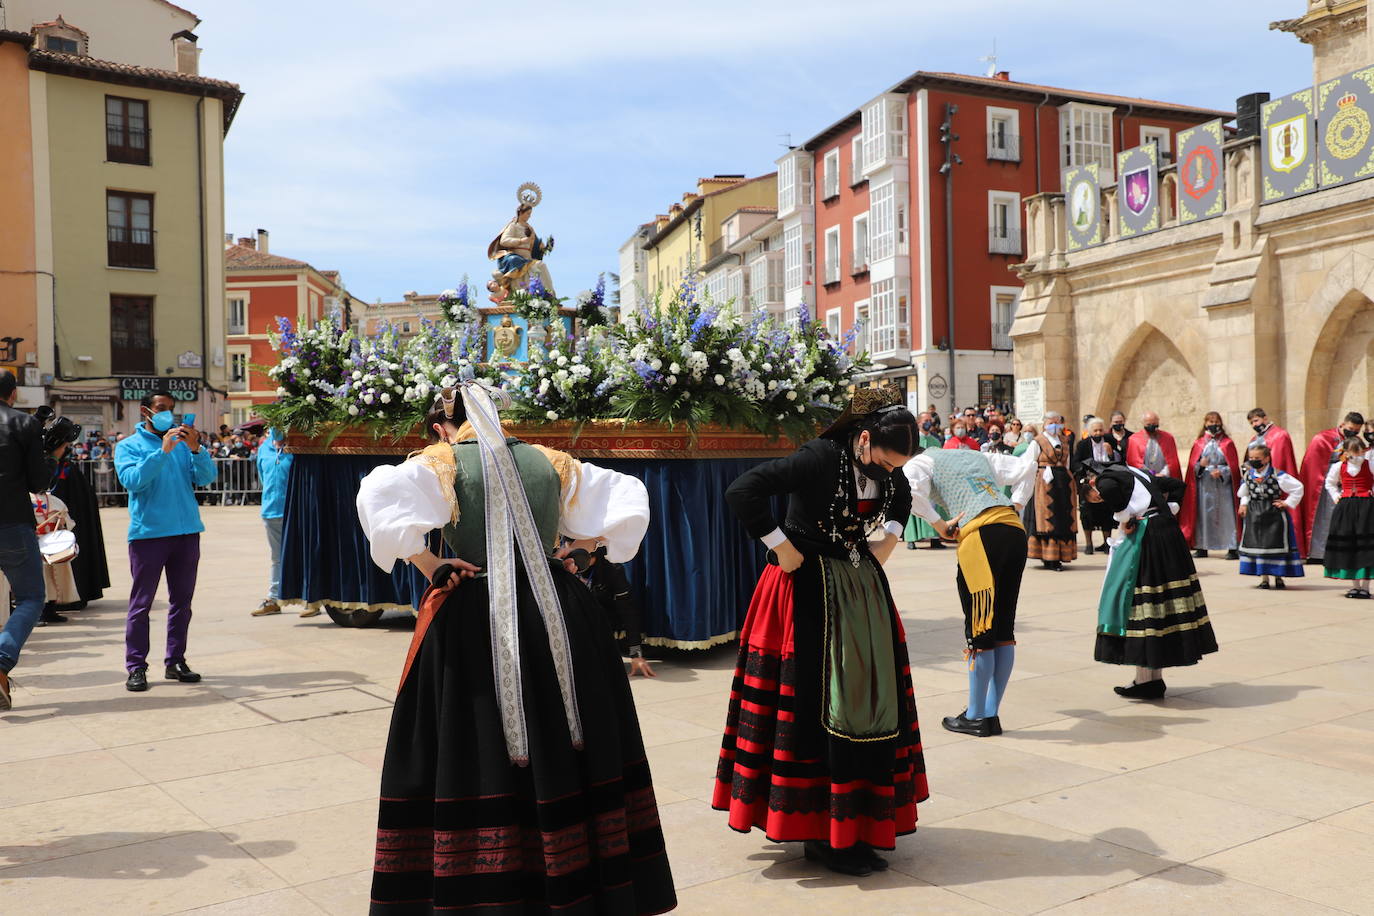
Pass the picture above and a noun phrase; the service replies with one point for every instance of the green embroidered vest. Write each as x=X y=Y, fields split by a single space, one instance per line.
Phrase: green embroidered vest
x=467 y=537
x=963 y=482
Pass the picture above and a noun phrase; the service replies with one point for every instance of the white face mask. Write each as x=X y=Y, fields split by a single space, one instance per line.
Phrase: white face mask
x=1355 y=461
x=958 y=433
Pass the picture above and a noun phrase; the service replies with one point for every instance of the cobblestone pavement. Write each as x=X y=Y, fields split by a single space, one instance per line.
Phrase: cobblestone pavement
x=1249 y=790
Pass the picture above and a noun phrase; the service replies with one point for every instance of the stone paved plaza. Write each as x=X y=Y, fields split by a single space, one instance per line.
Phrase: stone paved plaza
x=1249 y=790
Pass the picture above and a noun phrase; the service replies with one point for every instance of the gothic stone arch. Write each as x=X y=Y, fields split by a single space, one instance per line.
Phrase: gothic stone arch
x=1340 y=375
x=1150 y=372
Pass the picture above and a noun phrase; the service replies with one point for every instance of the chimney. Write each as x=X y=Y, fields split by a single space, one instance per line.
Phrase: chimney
x=248 y=243
x=1003 y=75
x=186 y=53
x=262 y=241
x=228 y=238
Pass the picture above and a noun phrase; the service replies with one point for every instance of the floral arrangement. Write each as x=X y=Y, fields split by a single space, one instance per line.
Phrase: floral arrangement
x=687 y=361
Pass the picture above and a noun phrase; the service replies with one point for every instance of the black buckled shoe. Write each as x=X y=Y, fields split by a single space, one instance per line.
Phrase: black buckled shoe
x=978 y=728
x=180 y=672
x=1233 y=554
x=844 y=861
x=1150 y=690
x=138 y=680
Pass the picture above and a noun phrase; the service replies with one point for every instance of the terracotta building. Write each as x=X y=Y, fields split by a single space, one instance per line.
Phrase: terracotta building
x=877 y=231
x=261 y=287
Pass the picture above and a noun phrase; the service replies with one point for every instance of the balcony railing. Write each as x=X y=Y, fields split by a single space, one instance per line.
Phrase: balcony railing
x=238 y=384
x=127 y=248
x=236 y=327
x=716 y=249
x=1004 y=148
x=1001 y=335
x=1004 y=241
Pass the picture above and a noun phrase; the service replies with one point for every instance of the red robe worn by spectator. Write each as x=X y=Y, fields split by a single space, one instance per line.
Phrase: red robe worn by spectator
x=1135 y=451
x=1187 y=513
x=963 y=442
x=1316 y=461
x=1280 y=449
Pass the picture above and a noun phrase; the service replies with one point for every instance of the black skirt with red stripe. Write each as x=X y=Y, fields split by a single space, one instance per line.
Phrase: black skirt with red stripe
x=779 y=770
x=461 y=829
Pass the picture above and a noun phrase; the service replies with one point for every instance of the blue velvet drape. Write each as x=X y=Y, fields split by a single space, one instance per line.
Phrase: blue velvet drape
x=693 y=578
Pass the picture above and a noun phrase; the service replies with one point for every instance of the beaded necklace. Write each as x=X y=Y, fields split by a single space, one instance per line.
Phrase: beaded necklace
x=846 y=526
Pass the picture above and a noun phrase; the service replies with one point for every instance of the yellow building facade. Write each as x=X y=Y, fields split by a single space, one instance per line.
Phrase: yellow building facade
x=690 y=234
x=126 y=196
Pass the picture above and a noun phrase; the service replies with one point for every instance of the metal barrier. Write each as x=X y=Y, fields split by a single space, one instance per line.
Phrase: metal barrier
x=236 y=483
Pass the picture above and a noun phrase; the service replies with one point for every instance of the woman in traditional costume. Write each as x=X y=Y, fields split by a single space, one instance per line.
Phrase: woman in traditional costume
x=1151 y=613
x=822 y=743
x=1208 y=514
x=1053 y=511
x=1350 y=539
x=1095 y=446
x=917 y=528
x=1268 y=540
x=515 y=778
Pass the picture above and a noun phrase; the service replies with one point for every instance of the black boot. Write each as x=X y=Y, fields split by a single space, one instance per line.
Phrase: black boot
x=50 y=614
x=1199 y=554
x=1150 y=690
x=844 y=861
x=1233 y=554
x=870 y=857
x=1089 y=551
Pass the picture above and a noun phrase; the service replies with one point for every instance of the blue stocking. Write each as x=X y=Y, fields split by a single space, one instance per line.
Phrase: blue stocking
x=979 y=680
x=1006 y=660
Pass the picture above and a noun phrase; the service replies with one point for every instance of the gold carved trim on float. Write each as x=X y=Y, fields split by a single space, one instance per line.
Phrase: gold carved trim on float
x=592 y=439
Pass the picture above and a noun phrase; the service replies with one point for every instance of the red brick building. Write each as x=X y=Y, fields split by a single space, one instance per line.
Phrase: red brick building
x=260 y=287
x=863 y=211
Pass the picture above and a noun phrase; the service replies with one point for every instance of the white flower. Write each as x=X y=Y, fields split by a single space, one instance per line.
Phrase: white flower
x=352 y=410
x=767 y=367
x=357 y=374
x=672 y=380
x=544 y=386
x=422 y=389
x=310 y=399
x=791 y=395
x=386 y=397
x=552 y=415
x=656 y=364
x=773 y=385
x=281 y=392
x=305 y=372
x=674 y=368
x=562 y=360
x=381 y=413
x=720 y=379
x=825 y=399
x=367 y=398
x=448 y=381
x=686 y=395
x=399 y=389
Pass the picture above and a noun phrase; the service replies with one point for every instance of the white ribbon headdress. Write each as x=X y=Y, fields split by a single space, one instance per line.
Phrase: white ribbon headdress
x=510 y=522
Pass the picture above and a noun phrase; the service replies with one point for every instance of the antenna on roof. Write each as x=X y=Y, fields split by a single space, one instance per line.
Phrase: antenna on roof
x=991 y=60
x=786 y=140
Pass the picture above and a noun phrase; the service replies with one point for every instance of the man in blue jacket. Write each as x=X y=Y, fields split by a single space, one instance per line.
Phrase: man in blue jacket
x=160 y=465
x=274 y=466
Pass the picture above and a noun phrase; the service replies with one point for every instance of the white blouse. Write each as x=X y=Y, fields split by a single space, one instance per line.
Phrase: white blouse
x=399 y=504
x=1007 y=471
x=1333 y=477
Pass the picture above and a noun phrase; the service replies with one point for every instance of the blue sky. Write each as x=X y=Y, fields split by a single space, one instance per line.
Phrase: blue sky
x=387 y=140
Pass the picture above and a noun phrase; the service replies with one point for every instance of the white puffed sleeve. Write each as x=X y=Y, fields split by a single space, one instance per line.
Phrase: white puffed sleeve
x=608 y=505
x=1333 y=481
x=397 y=506
x=1293 y=487
x=1137 y=506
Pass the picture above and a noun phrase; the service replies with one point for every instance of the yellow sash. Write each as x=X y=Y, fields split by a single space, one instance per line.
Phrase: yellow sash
x=973 y=563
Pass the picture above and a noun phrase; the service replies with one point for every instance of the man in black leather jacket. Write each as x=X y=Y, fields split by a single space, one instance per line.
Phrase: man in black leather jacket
x=23 y=470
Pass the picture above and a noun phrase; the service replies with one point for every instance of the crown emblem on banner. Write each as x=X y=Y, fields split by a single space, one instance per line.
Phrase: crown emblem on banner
x=1347 y=100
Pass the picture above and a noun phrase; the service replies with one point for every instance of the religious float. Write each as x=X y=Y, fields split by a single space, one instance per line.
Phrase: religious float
x=685 y=395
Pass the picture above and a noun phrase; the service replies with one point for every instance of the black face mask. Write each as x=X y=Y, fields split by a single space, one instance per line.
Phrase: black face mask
x=1118 y=427
x=926 y=426
x=1255 y=463
x=1098 y=437
x=995 y=437
x=1369 y=437
x=874 y=472
x=1214 y=430
x=1151 y=428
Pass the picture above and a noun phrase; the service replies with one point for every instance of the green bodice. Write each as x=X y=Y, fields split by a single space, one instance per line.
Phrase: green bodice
x=467 y=537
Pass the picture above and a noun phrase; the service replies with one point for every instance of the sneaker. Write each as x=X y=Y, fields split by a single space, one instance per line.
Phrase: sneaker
x=309 y=611
x=268 y=606
x=5 y=690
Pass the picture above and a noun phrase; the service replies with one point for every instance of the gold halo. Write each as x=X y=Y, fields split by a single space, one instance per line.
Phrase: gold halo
x=529 y=195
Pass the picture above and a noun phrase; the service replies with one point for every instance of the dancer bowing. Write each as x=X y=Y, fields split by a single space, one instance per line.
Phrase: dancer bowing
x=821 y=739
x=515 y=778
x=1151 y=613
x=992 y=557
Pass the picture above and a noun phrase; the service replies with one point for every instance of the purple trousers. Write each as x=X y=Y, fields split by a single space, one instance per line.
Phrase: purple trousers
x=179 y=555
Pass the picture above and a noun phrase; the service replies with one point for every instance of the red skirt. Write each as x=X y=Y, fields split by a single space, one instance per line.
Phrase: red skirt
x=760 y=779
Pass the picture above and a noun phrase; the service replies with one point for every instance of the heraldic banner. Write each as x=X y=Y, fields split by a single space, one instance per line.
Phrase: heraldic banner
x=1290 y=161
x=1201 y=179
x=1345 y=152
x=1082 y=206
x=1137 y=191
